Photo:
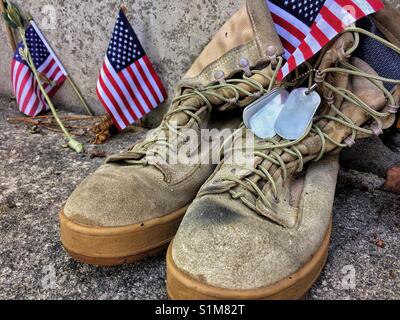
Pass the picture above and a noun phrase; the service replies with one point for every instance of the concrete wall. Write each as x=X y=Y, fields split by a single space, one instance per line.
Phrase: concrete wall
x=172 y=32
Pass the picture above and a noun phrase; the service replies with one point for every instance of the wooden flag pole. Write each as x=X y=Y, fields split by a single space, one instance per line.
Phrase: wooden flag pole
x=10 y=33
x=122 y=7
x=79 y=95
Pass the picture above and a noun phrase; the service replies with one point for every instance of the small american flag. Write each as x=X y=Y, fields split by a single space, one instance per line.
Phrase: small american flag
x=306 y=26
x=128 y=86
x=26 y=89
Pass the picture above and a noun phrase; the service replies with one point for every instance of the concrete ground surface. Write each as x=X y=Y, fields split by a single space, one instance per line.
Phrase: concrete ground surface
x=37 y=175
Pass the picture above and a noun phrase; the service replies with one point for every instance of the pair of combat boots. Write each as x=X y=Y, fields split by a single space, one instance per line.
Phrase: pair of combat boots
x=258 y=229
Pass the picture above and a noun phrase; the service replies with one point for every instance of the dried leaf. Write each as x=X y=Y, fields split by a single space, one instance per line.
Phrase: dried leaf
x=103 y=130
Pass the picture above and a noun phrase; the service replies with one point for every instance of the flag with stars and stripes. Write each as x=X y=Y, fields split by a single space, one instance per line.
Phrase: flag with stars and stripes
x=52 y=74
x=128 y=86
x=306 y=26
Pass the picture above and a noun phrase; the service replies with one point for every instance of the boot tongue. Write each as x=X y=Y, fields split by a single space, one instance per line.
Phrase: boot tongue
x=247 y=34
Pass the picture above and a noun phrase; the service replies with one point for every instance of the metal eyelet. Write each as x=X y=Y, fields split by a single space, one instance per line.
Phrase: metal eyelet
x=377 y=129
x=319 y=77
x=220 y=76
x=330 y=99
x=257 y=94
x=245 y=66
x=350 y=142
x=233 y=101
x=271 y=54
x=392 y=109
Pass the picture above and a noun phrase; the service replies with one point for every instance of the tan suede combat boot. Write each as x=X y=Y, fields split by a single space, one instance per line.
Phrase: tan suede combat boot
x=263 y=231
x=132 y=206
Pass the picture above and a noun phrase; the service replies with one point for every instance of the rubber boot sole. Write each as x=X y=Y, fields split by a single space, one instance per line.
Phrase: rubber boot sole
x=181 y=286
x=118 y=246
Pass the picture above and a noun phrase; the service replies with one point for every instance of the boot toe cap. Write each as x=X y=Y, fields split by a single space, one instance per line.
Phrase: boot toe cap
x=220 y=247
x=116 y=196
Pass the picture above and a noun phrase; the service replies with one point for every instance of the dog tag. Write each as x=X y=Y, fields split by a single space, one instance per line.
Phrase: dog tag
x=260 y=117
x=298 y=113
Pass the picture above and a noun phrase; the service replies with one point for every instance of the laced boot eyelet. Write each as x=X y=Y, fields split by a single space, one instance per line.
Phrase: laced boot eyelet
x=330 y=100
x=319 y=77
x=271 y=54
x=220 y=77
x=392 y=109
x=245 y=66
x=257 y=94
x=376 y=128
x=233 y=101
x=350 y=142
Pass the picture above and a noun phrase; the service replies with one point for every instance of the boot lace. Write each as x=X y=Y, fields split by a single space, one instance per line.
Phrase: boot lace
x=277 y=151
x=232 y=92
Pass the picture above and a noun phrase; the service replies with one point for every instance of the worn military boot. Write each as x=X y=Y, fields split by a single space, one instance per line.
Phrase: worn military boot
x=132 y=206
x=262 y=231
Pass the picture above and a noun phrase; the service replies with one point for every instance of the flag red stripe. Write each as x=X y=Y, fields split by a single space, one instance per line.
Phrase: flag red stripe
x=19 y=70
x=35 y=102
x=118 y=90
x=112 y=100
x=49 y=67
x=147 y=82
x=40 y=104
x=140 y=88
x=357 y=13
x=22 y=86
x=376 y=4
x=287 y=45
x=288 y=27
x=131 y=93
x=28 y=97
x=320 y=36
x=155 y=77
x=306 y=50
x=332 y=19
x=108 y=110
x=54 y=74
x=53 y=91
x=292 y=63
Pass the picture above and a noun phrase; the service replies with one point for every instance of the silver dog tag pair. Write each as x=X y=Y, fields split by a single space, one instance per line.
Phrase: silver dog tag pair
x=282 y=113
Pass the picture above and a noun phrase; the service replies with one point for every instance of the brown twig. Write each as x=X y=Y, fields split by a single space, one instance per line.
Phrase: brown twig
x=51 y=118
x=101 y=126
